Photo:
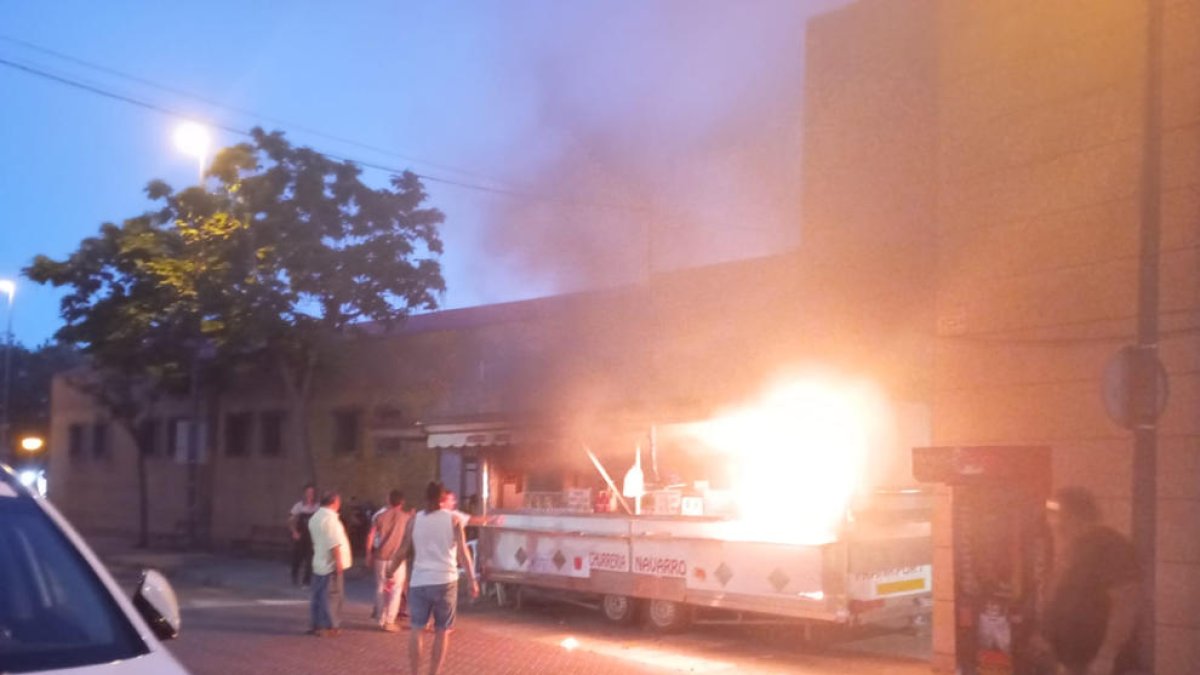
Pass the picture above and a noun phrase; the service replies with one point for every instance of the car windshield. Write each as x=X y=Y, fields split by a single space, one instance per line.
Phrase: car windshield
x=54 y=611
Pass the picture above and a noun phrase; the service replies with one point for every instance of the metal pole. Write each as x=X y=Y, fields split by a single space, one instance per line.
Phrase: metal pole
x=1145 y=380
x=193 y=455
x=5 y=436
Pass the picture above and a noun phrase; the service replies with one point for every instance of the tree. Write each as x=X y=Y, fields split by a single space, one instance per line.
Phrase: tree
x=32 y=372
x=129 y=324
x=324 y=254
x=283 y=253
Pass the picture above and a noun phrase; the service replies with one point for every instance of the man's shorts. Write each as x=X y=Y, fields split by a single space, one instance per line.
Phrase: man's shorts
x=439 y=601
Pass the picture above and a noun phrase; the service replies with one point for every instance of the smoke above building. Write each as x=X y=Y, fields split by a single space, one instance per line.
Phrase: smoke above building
x=662 y=135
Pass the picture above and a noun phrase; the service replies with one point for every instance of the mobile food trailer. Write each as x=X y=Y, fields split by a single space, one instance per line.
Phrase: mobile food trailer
x=786 y=550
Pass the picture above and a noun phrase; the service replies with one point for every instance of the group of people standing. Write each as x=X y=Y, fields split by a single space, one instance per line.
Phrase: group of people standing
x=415 y=559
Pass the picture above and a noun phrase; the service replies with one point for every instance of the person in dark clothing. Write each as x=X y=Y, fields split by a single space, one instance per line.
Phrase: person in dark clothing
x=302 y=546
x=1091 y=616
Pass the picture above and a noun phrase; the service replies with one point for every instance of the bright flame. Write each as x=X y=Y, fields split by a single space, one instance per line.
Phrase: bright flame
x=799 y=456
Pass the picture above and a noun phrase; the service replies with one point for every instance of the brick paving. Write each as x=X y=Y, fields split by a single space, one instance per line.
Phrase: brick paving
x=269 y=641
x=241 y=616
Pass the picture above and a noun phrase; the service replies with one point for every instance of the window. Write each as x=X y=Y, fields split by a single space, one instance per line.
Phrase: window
x=345 y=431
x=56 y=612
x=75 y=441
x=100 y=449
x=237 y=434
x=178 y=440
x=271 y=423
x=147 y=436
x=176 y=437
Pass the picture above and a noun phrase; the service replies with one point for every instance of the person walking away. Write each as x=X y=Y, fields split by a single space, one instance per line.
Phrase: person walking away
x=331 y=558
x=435 y=544
x=302 y=550
x=1091 y=615
x=372 y=544
x=383 y=541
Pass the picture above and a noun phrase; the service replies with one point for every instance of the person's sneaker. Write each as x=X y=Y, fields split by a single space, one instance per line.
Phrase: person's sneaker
x=389 y=627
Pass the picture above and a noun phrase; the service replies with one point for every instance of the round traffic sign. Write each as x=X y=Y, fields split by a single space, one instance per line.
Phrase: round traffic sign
x=1118 y=390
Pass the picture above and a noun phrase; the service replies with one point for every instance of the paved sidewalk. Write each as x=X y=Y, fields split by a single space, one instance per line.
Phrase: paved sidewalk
x=260 y=576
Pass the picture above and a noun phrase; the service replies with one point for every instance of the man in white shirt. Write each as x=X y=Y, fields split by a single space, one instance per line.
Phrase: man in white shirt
x=437 y=546
x=331 y=557
x=302 y=551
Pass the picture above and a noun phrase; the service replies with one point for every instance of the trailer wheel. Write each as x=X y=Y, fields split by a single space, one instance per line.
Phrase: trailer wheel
x=620 y=609
x=666 y=615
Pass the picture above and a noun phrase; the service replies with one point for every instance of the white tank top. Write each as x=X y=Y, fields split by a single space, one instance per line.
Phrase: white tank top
x=435 y=559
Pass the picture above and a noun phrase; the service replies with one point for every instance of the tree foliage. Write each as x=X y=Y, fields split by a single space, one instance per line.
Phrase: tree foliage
x=280 y=252
x=32 y=372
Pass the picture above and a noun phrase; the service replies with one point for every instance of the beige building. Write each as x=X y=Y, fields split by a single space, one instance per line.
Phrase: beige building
x=533 y=378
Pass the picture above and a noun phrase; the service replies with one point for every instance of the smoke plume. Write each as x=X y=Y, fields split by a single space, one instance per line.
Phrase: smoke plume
x=667 y=134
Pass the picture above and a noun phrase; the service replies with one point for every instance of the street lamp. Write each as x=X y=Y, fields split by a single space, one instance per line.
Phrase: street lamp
x=9 y=288
x=32 y=443
x=193 y=139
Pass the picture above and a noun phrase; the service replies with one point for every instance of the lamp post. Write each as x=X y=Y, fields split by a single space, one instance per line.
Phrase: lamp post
x=9 y=288
x=193 y=139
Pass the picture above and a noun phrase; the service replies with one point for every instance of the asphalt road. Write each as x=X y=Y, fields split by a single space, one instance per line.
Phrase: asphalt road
x=230 y=631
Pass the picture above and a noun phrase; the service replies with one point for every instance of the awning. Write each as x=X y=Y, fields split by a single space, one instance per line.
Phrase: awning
x=468 y=435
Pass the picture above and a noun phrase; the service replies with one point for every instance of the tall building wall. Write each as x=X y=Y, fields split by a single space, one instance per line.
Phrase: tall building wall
x=1040 y=107
x=870 y=132
x=1000 y=144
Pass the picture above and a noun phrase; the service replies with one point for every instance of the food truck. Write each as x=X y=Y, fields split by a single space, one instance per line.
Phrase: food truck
x=785 y=510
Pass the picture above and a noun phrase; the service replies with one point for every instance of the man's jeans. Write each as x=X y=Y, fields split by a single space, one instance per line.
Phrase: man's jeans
x=328 y=591
x=302 y=555
x=388 y=591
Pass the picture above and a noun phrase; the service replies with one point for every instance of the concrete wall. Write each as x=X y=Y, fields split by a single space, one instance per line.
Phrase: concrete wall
x=870 y=134
x=1040 y=146
x=999 y=143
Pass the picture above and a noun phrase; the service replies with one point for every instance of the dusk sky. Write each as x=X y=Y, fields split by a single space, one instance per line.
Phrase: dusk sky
x=607 y=119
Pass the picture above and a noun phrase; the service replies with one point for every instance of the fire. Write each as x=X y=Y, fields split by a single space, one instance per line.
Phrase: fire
x=798 y=456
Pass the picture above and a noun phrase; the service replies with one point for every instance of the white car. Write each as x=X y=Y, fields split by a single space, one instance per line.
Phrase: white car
x=61 y=611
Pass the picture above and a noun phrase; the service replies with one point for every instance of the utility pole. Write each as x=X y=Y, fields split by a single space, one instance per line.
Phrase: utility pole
x=7 y=451
x=193 y=453
x=1146 y=370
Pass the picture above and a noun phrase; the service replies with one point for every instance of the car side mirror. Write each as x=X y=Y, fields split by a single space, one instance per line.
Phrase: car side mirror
x=155 y=601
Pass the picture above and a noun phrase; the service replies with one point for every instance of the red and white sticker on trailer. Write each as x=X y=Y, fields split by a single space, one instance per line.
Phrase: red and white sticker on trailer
x=660 y=566
x=659 y=560
x=609 y=561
